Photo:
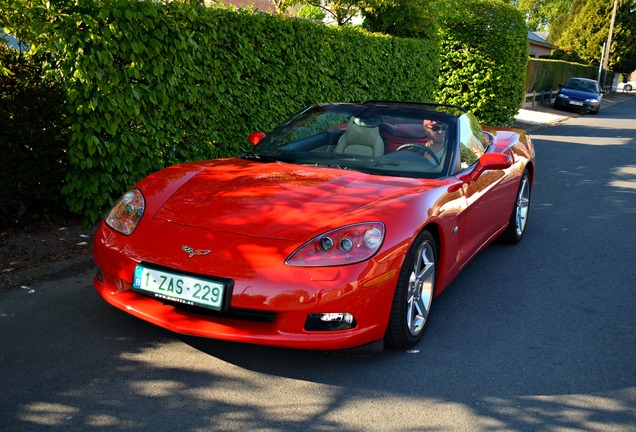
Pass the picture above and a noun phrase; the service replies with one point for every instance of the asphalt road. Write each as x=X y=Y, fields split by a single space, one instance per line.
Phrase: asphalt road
x=535 y=337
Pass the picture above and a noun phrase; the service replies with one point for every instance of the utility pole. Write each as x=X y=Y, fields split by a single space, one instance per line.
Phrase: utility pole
x=606 y=48
x=600 y=65
x=609 y=36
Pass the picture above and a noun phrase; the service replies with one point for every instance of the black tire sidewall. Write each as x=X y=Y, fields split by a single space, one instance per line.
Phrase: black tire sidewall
x=510 y=235
x=397 y=333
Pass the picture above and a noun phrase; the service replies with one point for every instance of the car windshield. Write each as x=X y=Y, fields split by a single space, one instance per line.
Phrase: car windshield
x=581 y=85
x=385 y=140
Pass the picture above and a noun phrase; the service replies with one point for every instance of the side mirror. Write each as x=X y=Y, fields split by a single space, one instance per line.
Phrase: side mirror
x=255 y=137
x=489 y=161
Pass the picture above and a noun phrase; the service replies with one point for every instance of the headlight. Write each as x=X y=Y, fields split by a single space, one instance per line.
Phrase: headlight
x=347 y=245
x=563 y=96
x=591 y=100
x=127 y=213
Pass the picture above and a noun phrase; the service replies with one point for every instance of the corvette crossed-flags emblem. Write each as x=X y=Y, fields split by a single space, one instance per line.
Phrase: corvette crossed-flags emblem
x=192 y=252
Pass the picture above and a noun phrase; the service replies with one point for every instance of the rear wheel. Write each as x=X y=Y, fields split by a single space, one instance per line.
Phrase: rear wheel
x=519 y=217
x=414 y=293
x=628 y=87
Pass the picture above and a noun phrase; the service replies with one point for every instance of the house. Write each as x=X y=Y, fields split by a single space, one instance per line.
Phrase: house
x=539 y=47
x=259 y=5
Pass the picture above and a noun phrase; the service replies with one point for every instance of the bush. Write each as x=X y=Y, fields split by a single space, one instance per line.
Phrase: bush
x=151 y=84
x=403 y=18
x=548 y=74
x=33 y=137
x=484 y=57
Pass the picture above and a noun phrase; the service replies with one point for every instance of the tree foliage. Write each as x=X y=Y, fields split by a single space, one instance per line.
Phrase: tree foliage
x=402 y=18
x=588 y=29
x=341 y=11
x=311 y=12
x=622 y=54
x=541 y=13
x=563 y=20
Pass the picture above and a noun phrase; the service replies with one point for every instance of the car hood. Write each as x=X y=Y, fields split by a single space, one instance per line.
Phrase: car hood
x=579 y=94
x=278 y=200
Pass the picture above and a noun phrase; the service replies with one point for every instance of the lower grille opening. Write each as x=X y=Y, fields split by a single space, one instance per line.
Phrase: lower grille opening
x=232 y=313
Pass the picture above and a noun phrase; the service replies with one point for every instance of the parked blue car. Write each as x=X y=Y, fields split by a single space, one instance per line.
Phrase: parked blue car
x=580 y=93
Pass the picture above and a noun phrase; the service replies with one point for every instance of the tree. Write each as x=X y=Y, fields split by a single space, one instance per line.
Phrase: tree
x=541 y=13
x=402 y=18
x=311 y=12
x=623 y=50
x=342 y=11
x=563 y=21
x=588 y=28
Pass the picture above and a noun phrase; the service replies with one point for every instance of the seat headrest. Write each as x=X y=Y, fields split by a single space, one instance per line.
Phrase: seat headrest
x=370 y=122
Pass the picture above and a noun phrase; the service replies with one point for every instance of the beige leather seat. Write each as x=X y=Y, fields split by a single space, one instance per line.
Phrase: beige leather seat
x=362 y=137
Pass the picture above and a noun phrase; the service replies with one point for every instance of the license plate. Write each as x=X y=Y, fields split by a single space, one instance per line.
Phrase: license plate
x=179 y=287
x=576 y=103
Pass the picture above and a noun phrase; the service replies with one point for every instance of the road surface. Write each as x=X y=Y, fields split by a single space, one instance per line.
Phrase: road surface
x=539 y=336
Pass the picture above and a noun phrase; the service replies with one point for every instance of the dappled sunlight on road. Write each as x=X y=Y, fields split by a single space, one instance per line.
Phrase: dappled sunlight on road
x=565 y=412
x=625 y=177
x=214 y=395
x=47 y=413
x=133 y=375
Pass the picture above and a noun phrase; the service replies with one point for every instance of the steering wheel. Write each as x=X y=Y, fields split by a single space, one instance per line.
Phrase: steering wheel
x=420 y=149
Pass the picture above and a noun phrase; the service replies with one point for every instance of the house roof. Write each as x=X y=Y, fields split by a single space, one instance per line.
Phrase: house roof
x=535 y=39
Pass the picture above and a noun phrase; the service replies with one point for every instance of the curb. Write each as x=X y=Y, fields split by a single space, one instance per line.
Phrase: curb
x=46 y=272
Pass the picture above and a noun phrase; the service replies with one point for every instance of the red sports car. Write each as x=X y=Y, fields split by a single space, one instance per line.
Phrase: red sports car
x=335 y=232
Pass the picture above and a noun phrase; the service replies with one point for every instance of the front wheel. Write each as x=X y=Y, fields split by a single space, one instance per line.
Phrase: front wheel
x=519 y=216
x=413 y=294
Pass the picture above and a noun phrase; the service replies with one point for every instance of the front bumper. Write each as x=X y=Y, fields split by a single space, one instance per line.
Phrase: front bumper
x=281 y=328
x=577 y=104
x=269 y=307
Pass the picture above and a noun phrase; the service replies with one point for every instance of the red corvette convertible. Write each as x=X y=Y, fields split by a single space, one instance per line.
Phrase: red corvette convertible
x=335 y=232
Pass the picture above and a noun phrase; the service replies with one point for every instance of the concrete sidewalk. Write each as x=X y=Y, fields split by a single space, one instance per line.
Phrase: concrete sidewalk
x=542 y=116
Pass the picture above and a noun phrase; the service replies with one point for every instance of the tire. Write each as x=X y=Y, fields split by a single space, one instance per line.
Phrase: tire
x=628 y=87
x=519 y=217
x=414 y=292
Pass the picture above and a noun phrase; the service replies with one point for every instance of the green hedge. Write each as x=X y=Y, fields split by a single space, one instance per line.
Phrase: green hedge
x=32 y=142
x=484 y=58
x=548 y=74
x=150 y=85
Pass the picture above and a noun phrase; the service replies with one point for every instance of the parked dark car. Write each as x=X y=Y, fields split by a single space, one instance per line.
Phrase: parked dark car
x=580 y=93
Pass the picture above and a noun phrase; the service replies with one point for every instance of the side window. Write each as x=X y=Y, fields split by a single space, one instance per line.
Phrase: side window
x=472 y=140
